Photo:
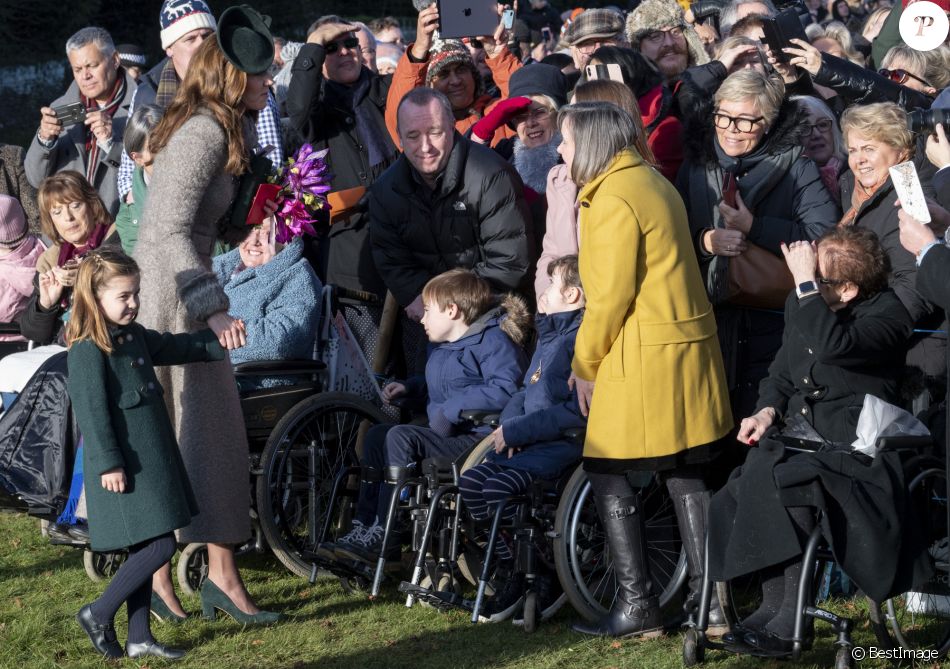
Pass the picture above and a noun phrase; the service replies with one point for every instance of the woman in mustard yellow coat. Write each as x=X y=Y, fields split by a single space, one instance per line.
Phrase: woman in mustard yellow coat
x=647 y=363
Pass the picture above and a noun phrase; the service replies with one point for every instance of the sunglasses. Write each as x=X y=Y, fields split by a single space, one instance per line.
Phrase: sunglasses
x=901 y=76
x=349 y=42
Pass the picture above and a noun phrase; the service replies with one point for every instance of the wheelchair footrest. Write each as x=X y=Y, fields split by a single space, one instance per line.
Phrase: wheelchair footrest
x=443 y=601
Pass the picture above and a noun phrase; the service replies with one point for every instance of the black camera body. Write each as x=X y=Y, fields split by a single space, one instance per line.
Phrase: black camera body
x=925 y=121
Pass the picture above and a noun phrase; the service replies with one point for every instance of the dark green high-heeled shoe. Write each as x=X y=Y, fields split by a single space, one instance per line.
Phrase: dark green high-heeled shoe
x=214 y=600
x=164 y=614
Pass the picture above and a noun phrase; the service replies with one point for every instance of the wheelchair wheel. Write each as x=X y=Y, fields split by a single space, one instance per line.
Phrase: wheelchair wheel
x=300 y=461
x=529 y=612
x=583 y=562
x=192 y=568
x=921 y=620
x=102 y=566
x=694 y=652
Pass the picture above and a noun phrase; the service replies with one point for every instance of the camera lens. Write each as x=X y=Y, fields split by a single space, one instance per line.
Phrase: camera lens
x=924 y=121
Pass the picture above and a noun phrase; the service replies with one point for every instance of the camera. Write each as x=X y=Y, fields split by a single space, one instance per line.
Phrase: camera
x=925 y=121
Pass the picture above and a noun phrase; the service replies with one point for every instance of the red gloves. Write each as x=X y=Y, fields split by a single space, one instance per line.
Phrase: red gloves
x=503 y=112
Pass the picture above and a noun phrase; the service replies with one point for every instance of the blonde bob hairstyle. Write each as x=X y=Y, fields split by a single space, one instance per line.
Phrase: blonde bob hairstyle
x=882 y=122
x=87 y=320
x=747 y=84
x=65 y=187
x=215 y=85
x=601 y=130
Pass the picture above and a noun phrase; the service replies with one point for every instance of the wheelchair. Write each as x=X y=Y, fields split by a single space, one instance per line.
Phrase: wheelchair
x=912 y=620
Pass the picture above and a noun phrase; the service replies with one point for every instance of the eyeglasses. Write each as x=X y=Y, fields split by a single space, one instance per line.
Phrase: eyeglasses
x=901 y=76
x=824 y=125
x=349 y=42
x=742 y=124
x=536 y=114
x=656 y=36
x=829 y=282
x=591 y=46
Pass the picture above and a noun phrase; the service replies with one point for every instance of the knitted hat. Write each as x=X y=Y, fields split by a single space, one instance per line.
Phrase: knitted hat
x=539 y=79
x=245 y=39
x=593 y=24
x=446 y=52
x=180 y=17
x=13 y=228
x=131 y=55
x=653 y=15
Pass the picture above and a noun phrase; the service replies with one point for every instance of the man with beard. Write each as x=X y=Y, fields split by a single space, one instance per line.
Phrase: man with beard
x=658 y=30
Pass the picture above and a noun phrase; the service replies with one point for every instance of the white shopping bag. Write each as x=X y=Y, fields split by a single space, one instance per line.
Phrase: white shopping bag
x=880 y=419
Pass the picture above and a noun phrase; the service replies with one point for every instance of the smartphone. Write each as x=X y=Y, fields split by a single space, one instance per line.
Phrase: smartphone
x=779 y=30
x=729 y=188
x=70 y=114
x=546 y=34
x=508 y=18
x=611 y=71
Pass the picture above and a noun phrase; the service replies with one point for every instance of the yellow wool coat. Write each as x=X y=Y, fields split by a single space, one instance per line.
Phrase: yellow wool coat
x=648 y=338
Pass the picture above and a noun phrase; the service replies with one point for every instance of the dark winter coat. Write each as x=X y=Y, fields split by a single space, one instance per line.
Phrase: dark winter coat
x=859 y=85
x=830 y=360
x=475 y=218
x=319 y=116
x=941 y=186
x=536 y=19
x=537 y=416
x=119 y=406
x=932 y=276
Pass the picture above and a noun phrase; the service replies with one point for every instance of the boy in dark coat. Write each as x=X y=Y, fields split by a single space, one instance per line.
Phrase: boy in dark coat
x=476 y=366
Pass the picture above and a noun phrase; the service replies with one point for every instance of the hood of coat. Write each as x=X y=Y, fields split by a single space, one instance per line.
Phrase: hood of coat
x=511 y=315
x=786 y=133
x=286 y=258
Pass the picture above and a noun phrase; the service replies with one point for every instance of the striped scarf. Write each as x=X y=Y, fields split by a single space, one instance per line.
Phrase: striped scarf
x=92 y=146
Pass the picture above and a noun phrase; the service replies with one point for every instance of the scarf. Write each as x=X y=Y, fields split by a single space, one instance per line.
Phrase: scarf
x=829 y=176
x=168 y=83
x=92 y=146
x=19 y=267
x=859 y=196
x=534 y=164
x=372 y=134
x=67 y=251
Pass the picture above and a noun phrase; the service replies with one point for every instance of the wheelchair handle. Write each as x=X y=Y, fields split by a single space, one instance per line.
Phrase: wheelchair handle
x=357 y=295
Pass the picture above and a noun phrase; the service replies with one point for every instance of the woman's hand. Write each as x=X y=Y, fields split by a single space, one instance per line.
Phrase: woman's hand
x=585 y=392
x=229 y=331
x=804 y=56
x=427 y=24
x=752 y=428
x=729 y=56
x=51 y=290
x=738 y=218
x=114 y=480
x=393 y=390
x=67 y=275
x=270 y=208
x=802 y=260
x=724 y=242
x=493 y=44
x=787 y=71
x=498 y=436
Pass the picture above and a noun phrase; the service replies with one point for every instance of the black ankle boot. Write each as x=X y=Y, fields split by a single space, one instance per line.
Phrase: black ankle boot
x=636 y=611
x=691 y=512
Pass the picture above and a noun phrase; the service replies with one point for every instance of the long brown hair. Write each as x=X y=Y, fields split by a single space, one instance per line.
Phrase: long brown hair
x=87 y=320
x=65 y=187
x=605 y=90
x=214 y=84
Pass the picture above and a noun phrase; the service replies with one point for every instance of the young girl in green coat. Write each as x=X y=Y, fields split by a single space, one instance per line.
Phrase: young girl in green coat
x=136 y=486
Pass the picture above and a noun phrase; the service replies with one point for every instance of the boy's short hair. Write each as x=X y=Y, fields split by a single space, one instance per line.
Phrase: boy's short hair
x=569 y=269
x=463 y=288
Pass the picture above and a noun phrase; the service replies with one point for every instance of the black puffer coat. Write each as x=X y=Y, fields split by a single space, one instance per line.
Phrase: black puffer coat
x=475 y=218
x=859 y=85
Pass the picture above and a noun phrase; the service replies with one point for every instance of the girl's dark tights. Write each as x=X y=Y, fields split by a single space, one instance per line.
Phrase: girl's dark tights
x=132 y=584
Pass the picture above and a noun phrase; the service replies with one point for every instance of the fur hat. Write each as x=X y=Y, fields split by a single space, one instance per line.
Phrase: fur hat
x=593 y=24
x=446 y=52
x=13 y=228
x=653 y=15
x=180 y=17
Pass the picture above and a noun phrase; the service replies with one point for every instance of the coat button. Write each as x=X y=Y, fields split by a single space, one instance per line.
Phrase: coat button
x=305 y=63
x=150 y=385
x=128 y=337
x=804 y=411
x=135 y=364
x=140 y=361
x=805 y=380
x=810 y=352
x=348 y=120
x=585 y=204
x=816 y=393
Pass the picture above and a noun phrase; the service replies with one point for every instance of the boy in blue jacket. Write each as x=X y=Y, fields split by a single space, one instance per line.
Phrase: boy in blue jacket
x=476 y=366
x=530 y=442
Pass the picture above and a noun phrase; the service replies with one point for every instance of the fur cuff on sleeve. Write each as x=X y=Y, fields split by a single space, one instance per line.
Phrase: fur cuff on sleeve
x=201 y=294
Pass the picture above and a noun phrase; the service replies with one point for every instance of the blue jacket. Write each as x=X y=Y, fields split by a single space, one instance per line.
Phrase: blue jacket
x=479 y=371
x=279 y=303
x=537 y=415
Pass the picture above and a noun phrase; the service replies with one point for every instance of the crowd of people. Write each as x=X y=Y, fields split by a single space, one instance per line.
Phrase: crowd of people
x=644 y=223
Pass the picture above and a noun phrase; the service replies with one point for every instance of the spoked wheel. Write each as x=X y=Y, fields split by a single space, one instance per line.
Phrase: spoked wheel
x=921 y=620
x=102 y=566
x=584 y=565
x=300 y=461
x=192 y=568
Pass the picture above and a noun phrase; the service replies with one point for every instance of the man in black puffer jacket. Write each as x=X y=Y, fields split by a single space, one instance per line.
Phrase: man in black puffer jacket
x=446 y=203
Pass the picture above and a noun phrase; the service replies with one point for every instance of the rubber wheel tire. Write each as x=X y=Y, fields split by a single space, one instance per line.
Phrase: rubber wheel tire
x=844 y=659
x=530 y=612
x=102 y=566
x=693 y=652
x=283 y=488
x=192 y=568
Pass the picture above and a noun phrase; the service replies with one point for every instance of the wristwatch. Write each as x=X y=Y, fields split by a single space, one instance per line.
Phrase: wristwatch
x=806 y=288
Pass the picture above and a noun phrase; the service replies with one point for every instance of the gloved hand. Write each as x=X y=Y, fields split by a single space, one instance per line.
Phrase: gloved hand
x=441 y=425
x=503 y=112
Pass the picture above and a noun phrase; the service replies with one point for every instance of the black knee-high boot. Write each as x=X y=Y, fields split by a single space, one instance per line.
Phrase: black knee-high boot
x=636 y=611
x=691 y=513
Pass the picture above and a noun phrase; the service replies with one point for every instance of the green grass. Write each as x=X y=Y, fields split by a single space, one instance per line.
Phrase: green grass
x=42 y=587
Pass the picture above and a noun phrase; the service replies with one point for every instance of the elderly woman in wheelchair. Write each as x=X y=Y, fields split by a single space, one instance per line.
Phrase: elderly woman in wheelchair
x=845 y=338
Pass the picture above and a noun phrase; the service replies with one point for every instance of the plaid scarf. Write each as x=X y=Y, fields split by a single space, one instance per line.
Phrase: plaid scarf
x=168 y=83
x=92 y=146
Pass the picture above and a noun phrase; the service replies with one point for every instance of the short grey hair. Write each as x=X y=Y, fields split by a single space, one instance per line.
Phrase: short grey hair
x=91 y=35
x=730 y=13
x=601 y=130
x=363 y=28
x=768 y=92
x=421 y=97
x=138 y=127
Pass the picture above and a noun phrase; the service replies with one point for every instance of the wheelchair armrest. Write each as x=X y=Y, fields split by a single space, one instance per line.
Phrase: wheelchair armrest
x=278 y=367
x=904 y=443
x=409 y=403
x=481 y=417
x=576 y=434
